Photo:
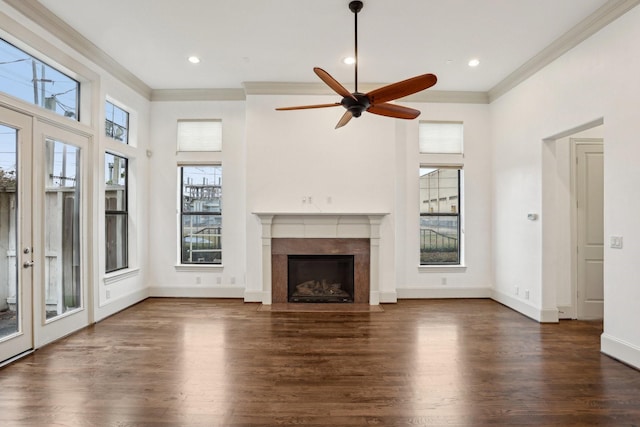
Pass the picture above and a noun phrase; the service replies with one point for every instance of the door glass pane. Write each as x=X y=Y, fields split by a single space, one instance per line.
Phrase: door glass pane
x=62 y=228
x=9 y=294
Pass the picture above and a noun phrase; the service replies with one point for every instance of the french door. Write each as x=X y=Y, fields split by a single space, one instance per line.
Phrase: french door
x=43 y=221
x=16 y=278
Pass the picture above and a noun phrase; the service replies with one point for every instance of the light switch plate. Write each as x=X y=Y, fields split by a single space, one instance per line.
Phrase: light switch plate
x=616 y=242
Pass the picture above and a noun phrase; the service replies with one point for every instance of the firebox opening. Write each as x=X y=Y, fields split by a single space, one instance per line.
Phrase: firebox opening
x=320 y=278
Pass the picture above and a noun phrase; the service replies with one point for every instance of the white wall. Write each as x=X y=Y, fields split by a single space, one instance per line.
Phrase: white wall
x=293 y=154
x=167 y=278
x=474 y=279
x=597 y=79
x=370 y=165
x=118 y=290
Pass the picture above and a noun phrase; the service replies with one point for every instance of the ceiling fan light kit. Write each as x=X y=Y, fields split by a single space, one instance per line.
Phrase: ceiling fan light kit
x=376 y=101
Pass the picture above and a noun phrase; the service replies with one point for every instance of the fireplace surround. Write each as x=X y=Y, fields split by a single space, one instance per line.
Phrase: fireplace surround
x=356 y=234
x=283 y=248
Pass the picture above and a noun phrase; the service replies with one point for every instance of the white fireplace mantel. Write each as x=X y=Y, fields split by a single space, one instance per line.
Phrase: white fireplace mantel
x=352 y=225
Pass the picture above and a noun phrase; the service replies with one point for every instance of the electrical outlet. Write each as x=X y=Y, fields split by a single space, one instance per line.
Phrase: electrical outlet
x=198 y=280
x=526 y=294
x=108 y=293
x=443 y=281
x=516 y=290
x=233 y=280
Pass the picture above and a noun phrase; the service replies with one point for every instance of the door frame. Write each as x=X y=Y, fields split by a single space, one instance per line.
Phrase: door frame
x=558 y=273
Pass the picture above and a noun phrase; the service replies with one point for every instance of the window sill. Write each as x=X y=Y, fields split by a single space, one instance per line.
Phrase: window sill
x=442 y=268
x=120 y=275
x=199 y=267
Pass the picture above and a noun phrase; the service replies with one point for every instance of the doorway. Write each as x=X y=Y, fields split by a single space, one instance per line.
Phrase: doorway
x=572 y=226
x=44 y=293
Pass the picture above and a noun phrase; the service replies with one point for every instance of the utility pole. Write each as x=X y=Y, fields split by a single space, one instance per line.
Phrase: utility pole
x=35 y=82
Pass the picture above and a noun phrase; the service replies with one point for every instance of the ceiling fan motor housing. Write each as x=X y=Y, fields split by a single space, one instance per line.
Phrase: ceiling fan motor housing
x=355 y=6
x=358 y=105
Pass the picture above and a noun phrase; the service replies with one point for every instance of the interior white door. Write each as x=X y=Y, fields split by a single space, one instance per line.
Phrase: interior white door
x=589 y=181
x=16 y=278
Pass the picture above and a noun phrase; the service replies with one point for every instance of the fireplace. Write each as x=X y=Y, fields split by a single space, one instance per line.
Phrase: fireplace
x=320 y=278
x=287 y=234
x=318 y=266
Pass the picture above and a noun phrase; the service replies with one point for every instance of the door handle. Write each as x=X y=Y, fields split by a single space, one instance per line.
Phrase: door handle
x=27 y=264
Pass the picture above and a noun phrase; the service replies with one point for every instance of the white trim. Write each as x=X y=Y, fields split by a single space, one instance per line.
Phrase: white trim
x=179 y=291
x=440 y=268
x=257 y=296
x=539 y=315
x=593 y=23
x=443 y=292
x=388 y=297
x=565 y=312
x=120 y=275
x=208 y=268
x=169 y=95
x=431 y=96
x=620 y=350
x=115 y=305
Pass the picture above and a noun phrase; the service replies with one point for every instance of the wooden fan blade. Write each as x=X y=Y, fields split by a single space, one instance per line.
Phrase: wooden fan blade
x=306 y=107
x=401 y=89
x=344 y=119
x=393 y=110
x=333 y=83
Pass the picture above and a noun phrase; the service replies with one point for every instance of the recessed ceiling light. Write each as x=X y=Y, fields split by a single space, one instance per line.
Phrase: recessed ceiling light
x=474 y=62
x=349 y=60
x=194 y=59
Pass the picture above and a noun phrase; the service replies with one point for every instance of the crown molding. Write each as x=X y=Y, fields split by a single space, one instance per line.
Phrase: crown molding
x=433 y=96
x=42 y=16
x=602 y=17
x=167 y=95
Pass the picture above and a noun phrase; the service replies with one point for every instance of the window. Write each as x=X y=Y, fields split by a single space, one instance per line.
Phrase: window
x=199 y=135
x=439 y=216
x=63 y=242
x=29 y=79
x=116 y=123
x=441 y=137
x=201 y=214
x=115 y=208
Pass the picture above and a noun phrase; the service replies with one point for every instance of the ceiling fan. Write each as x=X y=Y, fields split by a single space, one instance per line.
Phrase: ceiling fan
x=376 y=101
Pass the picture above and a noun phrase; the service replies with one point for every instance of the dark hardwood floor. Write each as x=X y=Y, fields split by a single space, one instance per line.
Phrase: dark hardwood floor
x=197 y=362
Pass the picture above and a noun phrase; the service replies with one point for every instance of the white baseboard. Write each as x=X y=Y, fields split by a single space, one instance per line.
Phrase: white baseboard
x=431 y=293
x=256 y=296
x=388 y=297
x=119 y=304
x=565 y=312
x=196 y=292
x=620 y=350
x=542 y=316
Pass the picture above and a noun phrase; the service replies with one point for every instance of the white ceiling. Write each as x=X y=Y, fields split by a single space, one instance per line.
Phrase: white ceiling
x=282 y=40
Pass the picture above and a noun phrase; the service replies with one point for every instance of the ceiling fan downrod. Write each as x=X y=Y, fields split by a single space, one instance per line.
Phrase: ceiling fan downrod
x=355 y=7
